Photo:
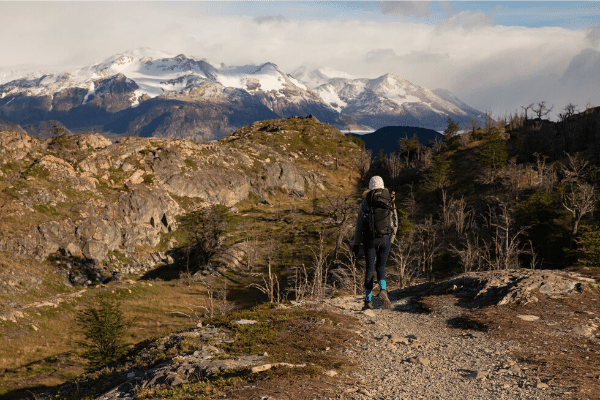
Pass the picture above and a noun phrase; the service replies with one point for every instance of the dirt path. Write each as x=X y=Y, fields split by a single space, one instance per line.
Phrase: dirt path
x=408 y=354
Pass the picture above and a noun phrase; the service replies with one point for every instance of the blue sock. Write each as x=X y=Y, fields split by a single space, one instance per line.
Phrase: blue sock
x=382 y=285
x=368 y=295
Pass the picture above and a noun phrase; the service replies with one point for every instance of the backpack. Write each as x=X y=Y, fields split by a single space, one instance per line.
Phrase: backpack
x=378 y=215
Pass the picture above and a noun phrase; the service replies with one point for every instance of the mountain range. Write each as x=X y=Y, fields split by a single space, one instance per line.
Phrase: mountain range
x=153 y=94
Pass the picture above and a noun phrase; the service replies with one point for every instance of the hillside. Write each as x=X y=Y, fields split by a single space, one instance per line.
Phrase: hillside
x=80 y=212
x=388 y=138
x=85 y=199
x=192 y=237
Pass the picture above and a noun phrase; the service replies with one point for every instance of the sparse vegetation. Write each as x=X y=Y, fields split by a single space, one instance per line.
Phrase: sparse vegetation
x=492 y=197
x=104 y=327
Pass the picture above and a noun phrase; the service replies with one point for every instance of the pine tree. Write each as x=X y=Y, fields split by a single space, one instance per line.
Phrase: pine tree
x=492 y=153
x=104 y=326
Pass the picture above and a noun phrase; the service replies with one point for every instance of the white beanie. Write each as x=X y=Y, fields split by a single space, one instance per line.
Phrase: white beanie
x=376 y=183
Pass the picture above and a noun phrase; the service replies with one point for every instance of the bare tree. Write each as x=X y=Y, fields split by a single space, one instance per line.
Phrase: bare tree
x=363 y=163
x=411 y=204
x=489 y=122
x=404 y=258
x=347 y=275
x=546 y=175
x=470 y=254
x=320 y=270
x=461 y=217
x=512 y=175
x=569 y=110
x=394 y=165
x=427 y=239
x=341 y=210
x=446 y=214
x=578 y=200
x=525 y=108
x=216 y=302
x=270 y=286
x=464 y=138
x=574 y=170
x=301 y=283
x=427 y=157
x=542 y=109
x=503 y=251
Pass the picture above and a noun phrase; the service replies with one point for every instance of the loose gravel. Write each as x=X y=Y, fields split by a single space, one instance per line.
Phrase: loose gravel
x=408 y=354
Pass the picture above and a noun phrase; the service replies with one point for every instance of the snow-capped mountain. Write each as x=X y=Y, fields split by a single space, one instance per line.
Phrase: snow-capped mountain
x=388 y=100
x=150 y=93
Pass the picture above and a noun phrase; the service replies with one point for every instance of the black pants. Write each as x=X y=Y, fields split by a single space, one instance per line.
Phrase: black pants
x=376 y=255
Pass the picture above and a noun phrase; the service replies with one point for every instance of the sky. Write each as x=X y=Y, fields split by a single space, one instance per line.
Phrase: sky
x=494 y=56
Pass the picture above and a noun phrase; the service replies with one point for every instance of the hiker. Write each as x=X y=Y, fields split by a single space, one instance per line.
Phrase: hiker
x=376 y=228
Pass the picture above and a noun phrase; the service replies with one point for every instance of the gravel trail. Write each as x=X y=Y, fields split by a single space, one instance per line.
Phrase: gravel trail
x=407 y=354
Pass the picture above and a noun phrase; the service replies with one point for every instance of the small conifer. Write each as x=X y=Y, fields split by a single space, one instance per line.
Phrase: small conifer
x=104 y=326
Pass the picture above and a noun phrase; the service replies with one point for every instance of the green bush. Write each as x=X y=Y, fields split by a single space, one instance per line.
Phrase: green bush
x=588 y=246
x=104 y=327
x=547 y=225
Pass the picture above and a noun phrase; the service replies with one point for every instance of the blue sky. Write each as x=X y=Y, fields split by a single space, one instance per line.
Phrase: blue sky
x=495 y=56
x=531 y=14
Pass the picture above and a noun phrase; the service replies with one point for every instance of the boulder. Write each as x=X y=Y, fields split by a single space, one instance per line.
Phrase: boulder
x=95 y=250
x=98 y=229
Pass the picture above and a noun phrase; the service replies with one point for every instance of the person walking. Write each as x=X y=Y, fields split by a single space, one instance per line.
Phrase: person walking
x=376 y=227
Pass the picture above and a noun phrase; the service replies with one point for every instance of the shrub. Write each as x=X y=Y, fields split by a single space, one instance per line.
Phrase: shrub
x=104 y=327
x=588 y=246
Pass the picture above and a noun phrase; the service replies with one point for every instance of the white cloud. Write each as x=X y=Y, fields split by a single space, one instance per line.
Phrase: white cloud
x=594 y=36
x=489 y=67
x=469 y=19
x=262 y=19
x=416 y=9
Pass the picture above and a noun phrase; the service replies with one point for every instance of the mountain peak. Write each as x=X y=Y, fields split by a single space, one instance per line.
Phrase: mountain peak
x=128 y=79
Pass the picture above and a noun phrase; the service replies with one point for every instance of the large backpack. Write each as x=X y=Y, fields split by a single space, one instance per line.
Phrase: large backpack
x=378 y=215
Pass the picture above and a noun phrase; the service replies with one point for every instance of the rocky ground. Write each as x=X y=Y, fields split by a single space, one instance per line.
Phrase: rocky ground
x=518 y=334
x=536 y=339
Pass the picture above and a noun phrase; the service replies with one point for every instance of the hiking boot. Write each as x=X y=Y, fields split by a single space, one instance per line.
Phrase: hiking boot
x=386 y=301
x=368 y=305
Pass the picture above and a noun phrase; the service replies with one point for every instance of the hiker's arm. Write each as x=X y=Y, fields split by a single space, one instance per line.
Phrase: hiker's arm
x=359 y=224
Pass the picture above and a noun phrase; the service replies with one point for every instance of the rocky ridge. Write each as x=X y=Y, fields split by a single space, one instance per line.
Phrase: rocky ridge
x=88 y=206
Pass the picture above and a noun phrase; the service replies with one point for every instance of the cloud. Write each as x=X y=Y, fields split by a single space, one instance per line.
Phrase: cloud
x=488 y=67
x=380 y=55
x=469 y=19
x=262 y=19
x=593 y=36
x=416 y=9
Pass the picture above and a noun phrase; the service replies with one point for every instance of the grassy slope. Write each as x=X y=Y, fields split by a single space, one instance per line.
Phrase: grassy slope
x=39 y=350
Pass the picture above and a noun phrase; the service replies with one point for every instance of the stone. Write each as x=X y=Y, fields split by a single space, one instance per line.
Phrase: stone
x=420 y=360
x=369 y=313
x=330 y=372
x=260 y=368
x=245 y=322
x=584 y=330
x=514 y=369
x=478 y=375
x=541 y=385
x=529 y=318
x=95 y=250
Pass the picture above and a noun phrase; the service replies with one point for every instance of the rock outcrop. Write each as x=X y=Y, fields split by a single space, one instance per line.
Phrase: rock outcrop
x=520 y=286
x=85 y=201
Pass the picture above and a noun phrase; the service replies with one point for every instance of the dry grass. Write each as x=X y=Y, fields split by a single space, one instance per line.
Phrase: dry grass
x=33 y=359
